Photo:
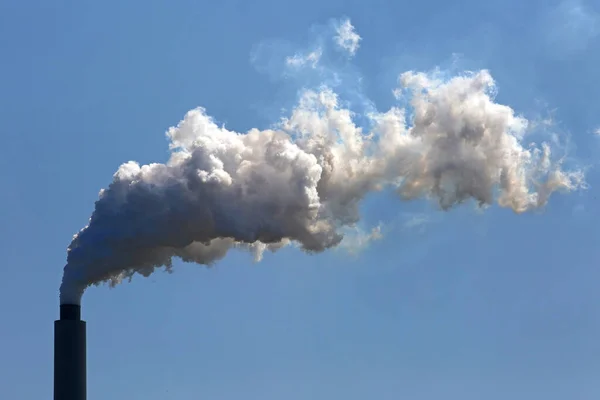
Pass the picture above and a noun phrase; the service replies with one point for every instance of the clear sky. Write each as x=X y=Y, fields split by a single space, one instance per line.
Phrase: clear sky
x=460 y=305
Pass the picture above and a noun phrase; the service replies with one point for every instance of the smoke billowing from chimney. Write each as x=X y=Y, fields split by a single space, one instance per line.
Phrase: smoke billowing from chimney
x=303 y=181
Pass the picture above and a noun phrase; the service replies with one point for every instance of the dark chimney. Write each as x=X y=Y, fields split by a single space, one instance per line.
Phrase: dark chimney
x=69 y=354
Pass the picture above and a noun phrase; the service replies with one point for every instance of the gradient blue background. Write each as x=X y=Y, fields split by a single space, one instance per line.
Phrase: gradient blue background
x=468 y=306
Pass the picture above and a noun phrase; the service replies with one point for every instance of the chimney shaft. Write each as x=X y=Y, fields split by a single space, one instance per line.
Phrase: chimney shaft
x=69 y=354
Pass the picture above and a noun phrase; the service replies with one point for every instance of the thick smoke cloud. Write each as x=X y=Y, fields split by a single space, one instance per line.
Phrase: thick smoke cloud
x=303 y=182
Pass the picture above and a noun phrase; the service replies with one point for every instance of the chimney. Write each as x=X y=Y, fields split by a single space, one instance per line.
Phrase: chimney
x=69 y=354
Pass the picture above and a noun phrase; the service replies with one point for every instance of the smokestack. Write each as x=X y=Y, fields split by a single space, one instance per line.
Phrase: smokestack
x=69 y=354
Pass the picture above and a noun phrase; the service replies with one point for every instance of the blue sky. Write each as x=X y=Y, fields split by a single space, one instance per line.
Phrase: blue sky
x=460 y=305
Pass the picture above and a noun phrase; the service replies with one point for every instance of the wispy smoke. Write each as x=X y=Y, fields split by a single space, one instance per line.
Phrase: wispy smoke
x=301 y=60
x=302 y=181
x=347 y=38
x=356 y=239
x=417 y=222
x=569 y=27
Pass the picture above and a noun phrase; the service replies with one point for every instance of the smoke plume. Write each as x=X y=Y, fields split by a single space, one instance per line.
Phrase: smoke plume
x=302 y=182
x=346 y=37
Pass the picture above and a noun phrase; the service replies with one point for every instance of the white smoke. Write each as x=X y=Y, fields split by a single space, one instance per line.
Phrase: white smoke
x=347 y=38
x=302 y=182
x=356 y=239
x=300 y=60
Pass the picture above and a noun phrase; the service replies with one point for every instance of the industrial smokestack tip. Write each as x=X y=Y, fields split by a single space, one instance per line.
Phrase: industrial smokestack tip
x=71 y=312
x=70 y=354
